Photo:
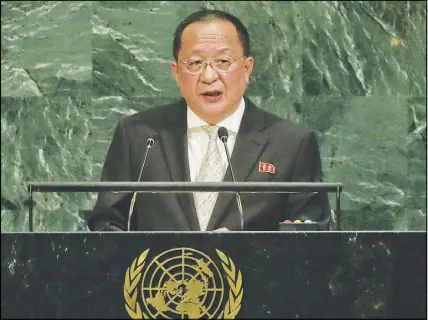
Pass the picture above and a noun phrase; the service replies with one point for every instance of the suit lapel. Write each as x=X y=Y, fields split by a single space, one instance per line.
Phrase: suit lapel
x=250 y=142
x=173 y=138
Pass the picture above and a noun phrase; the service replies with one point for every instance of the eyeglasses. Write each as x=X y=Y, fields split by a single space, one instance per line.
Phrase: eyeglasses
x=196 y=66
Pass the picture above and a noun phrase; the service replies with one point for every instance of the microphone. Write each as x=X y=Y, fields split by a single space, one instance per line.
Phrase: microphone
x=223 y=134
x=150 y=143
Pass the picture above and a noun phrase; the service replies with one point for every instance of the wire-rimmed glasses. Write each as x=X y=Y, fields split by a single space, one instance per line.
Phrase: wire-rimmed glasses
x=196 y=66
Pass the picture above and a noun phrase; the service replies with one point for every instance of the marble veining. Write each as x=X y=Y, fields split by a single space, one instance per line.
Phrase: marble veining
x=352 y=71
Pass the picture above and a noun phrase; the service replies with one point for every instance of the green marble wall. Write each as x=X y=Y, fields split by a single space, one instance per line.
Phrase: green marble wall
x=353 y=71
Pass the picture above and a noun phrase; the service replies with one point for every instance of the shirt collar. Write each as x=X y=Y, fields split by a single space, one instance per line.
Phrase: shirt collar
x=232 y=123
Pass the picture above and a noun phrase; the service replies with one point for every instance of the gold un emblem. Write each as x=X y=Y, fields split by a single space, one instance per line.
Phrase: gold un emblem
x=182 y=283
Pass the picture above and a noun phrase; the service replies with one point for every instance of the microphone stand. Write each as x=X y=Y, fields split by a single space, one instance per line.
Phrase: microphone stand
x=150 y=142
x=223 y=135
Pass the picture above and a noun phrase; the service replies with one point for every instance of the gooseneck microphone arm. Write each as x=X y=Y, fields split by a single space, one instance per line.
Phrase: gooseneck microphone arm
x=150 y=143
x=223 y=134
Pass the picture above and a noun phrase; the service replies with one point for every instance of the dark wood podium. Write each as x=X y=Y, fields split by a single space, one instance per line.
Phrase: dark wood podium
x=212 y=275
x=296 y=273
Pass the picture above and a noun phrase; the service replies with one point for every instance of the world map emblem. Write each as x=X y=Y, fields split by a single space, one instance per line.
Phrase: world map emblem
x=183 y=283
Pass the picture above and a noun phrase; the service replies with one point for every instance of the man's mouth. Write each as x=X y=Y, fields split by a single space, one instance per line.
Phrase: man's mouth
x=212 y=93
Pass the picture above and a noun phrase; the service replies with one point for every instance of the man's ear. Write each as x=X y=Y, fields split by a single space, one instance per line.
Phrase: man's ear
x=249 y=65
x=174 y=70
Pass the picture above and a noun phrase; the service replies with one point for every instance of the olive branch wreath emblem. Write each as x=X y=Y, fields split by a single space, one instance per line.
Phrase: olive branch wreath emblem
x=133 y=277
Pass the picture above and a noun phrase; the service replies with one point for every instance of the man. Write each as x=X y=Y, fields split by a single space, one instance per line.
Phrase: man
x=212 y=66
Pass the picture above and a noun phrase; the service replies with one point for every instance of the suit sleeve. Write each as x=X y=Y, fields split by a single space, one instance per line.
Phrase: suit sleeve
x=111 y=209
x=307 y=168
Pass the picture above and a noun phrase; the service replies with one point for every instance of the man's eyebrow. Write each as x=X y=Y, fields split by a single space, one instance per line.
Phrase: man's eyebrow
x=218 y=51
x=225 y=50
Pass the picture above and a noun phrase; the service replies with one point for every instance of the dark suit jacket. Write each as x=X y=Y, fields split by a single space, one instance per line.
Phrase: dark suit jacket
x=262 y=137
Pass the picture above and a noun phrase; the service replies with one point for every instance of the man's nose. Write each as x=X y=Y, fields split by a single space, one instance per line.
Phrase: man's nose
x=209 y=75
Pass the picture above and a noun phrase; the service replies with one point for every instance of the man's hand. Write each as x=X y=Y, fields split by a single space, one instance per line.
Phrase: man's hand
x=224 y=229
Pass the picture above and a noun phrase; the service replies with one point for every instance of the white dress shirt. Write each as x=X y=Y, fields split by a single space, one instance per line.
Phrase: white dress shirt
x=197 y=138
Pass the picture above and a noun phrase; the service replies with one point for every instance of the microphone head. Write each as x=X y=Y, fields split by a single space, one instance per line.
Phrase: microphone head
x=223 y=134
x=150 y=142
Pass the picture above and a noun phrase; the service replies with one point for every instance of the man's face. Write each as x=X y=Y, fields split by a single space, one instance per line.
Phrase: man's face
x=212 y=95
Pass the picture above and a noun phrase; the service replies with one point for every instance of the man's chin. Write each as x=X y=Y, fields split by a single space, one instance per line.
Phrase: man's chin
x=216 y=115
x=212 y=112
x=215 y=109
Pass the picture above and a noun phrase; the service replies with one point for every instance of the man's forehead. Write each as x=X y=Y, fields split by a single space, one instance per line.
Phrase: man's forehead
x=214 y=37
x=210 y=29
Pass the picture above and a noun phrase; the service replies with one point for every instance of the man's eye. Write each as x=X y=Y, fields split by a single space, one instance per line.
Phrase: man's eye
x=223 y=62
x=195 y=63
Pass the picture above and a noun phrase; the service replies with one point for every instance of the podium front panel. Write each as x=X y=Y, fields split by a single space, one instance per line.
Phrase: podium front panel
x=236 y=275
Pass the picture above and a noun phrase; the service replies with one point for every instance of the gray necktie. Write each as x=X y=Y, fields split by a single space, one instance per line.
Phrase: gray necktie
x=212 y=170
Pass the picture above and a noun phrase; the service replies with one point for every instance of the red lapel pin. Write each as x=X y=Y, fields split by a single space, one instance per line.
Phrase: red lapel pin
x=266 y=167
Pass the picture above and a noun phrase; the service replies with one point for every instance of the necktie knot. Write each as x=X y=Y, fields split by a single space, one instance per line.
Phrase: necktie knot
x=211 y=131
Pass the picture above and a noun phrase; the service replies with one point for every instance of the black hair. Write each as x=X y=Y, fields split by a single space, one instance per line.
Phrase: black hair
x=209 y=15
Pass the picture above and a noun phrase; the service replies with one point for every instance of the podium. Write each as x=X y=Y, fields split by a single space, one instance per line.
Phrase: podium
x=241 y=274
x=295 y=273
